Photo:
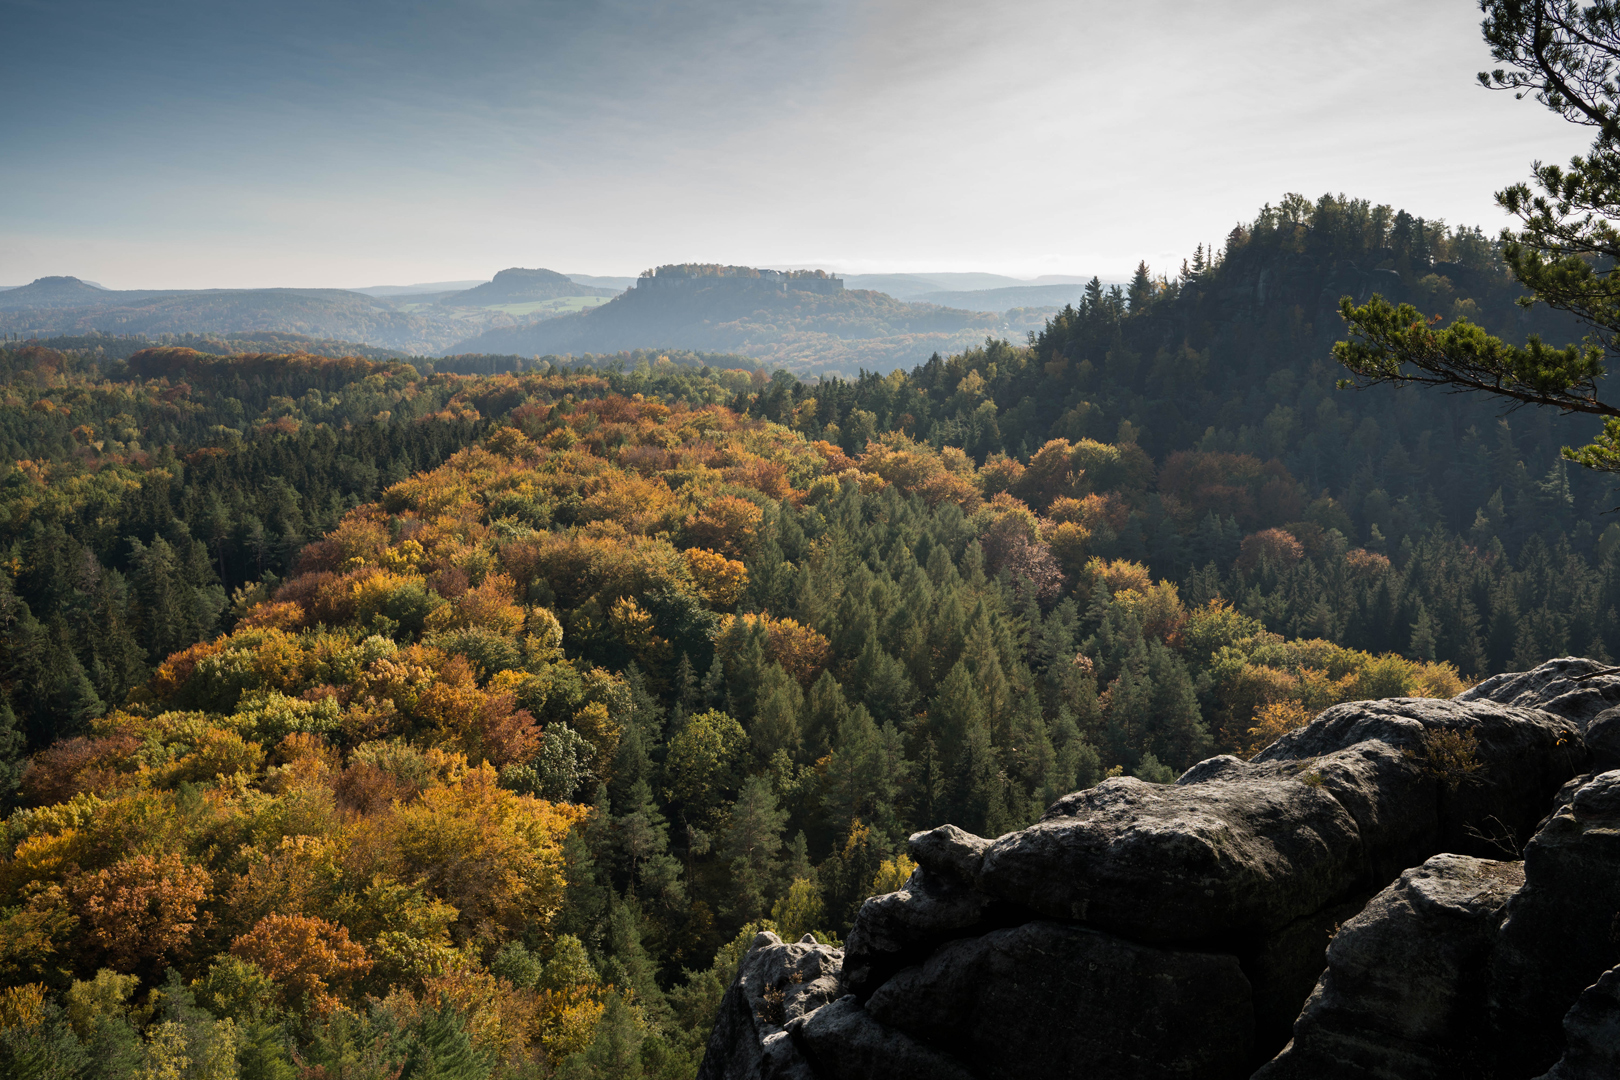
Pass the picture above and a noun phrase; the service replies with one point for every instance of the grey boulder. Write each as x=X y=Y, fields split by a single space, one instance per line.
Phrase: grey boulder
x=1592 y=1033
x=1051 y=999
x=1572 y=687
x=1238 y=849
x=775 y=984
x=1559 y=934
x=1403 y=993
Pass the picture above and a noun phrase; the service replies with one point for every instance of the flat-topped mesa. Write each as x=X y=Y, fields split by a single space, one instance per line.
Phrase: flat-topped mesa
x=741 y=278
x=1145 y=930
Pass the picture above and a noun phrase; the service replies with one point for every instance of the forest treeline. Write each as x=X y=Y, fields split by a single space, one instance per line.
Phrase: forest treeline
x=360 y=721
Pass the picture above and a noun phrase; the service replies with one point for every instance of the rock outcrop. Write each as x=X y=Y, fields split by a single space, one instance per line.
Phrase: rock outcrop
x=1560 y=933
x=1404 y=990
x=1367 y=862
x=1592 y=1033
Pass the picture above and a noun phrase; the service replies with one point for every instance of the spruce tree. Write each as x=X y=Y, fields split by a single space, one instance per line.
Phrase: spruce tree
x=441 y=1049
x=776 y=718
x=751 y=844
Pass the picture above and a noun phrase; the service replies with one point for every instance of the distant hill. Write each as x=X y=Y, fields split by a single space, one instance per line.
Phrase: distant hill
x=407 y=323
x=1017 y=296
x=617 y=284
x=59 y=292
x=71 y=307
x=104 y=346
x=417 y=290
x=517 y=285
x=899 y=286
x=924 y=287
x=806 y=321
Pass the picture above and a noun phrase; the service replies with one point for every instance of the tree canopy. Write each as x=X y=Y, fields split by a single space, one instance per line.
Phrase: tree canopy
x=1565 y=252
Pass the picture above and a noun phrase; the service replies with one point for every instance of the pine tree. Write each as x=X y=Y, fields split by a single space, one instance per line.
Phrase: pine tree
x=865 y=774
x=686 y=686
x=824 y=709
x=628 y=964
x=642 y=836
x=1176 y=727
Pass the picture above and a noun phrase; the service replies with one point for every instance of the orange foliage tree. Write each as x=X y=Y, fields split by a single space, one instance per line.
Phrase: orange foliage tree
x=311 y=960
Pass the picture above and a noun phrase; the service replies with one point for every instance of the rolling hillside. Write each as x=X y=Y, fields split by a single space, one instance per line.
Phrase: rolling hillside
x=412 y=323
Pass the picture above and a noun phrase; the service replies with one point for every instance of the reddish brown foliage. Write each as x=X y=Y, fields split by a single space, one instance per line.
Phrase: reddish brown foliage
x=1276 y=547
x=141 y=910
x=177 y=670
x=365 y=788
x=61 y=771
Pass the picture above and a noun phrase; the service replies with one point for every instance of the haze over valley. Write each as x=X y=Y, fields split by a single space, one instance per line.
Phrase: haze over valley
x=720 y=541
x=885 y=320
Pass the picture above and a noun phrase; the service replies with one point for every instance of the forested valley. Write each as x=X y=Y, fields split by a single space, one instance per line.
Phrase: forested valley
x=359 y=721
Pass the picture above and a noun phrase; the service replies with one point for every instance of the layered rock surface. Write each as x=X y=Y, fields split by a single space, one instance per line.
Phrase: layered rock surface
x=1143 y=930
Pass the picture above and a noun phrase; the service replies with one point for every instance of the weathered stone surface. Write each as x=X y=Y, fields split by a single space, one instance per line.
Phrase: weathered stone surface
x=775 y=985
x=1337 y=808
x=1523 y=755
x=1559 y=934
x=1603 y=740
x=1592 y=1033
x=1567 y=687
x=1403 y=992
x=842 y=1039
x=903 y=927
x=1052 y=999
x=950 y=851
x=1162 y=862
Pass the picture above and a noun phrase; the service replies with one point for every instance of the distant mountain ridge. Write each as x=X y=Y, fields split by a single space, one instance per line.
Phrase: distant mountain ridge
x=64 y=292
x=805 y=320
x=517 y=285
x=69 y=305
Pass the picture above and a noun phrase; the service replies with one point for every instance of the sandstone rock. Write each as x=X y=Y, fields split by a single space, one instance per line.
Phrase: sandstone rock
x=1559 y=934
x=1050 y=999
x=1403 y=992
x=842 y=1039
x=903 y=927
x=1567 y=687
x=775 y=985
x=1165 y=863
x=1592 y=1033
x=1337 y=808
x=1522 y=756
x=1603 y=740
x=1145 y=930
x=950 y=851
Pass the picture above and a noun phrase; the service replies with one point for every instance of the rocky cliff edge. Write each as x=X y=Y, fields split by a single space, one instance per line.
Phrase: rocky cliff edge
x=1403 y=888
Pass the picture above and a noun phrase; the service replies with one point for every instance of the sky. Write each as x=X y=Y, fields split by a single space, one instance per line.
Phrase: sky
x=347 y=143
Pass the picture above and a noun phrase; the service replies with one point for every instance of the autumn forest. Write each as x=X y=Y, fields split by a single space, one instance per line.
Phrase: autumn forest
x=364 y=720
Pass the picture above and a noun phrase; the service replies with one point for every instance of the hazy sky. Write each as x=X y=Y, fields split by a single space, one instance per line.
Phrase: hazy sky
x=189 y=143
